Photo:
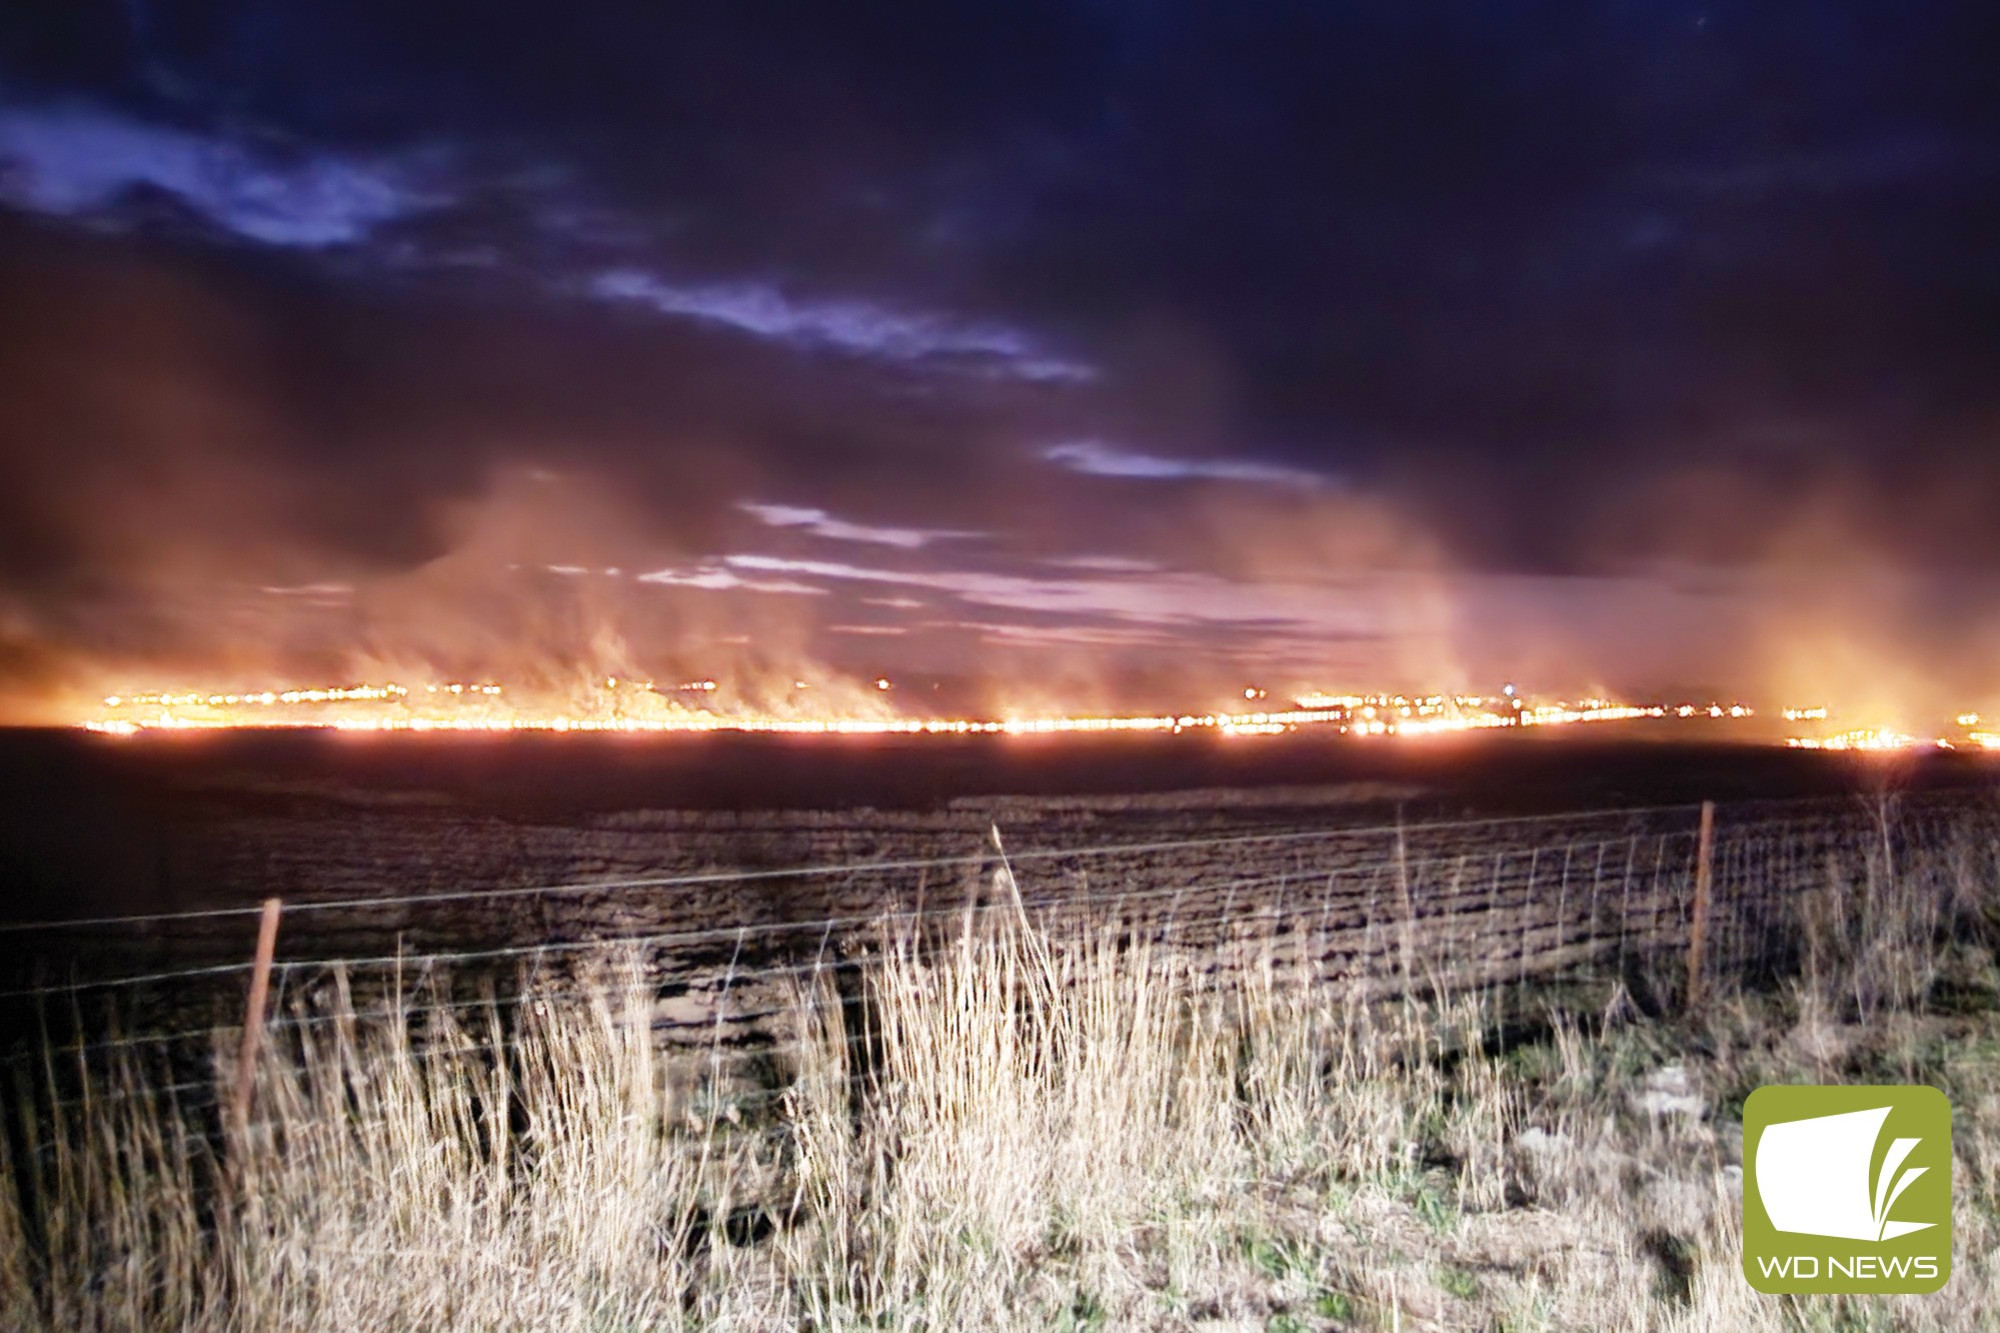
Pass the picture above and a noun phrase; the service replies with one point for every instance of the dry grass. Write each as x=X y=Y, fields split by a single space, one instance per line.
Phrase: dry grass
x=1008 y=1130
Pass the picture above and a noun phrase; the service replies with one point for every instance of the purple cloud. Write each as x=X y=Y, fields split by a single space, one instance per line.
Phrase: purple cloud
x=76 y=161
x=842 y=324
x=1102 y=460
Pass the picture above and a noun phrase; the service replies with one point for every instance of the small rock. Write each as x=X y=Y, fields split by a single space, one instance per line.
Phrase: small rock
x=1668 y=1091
x=1539 y=1142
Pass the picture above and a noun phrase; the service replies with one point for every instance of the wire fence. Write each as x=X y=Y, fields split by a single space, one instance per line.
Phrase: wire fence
x=1643 y=900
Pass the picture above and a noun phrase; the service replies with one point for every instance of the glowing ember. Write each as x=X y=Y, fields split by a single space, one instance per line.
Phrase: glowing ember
x=638 y=706
x=1879 y=739
x=616 y=704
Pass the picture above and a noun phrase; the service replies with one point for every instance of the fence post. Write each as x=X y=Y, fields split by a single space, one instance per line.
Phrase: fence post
x=1409 y=907
x=253 y=1019
x=1698 y=928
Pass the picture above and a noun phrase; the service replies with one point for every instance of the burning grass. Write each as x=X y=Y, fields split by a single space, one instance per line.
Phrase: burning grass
x=1007 y=1129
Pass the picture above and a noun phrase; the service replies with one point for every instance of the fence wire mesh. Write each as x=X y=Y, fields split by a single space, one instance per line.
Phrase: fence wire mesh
x=1576 y=910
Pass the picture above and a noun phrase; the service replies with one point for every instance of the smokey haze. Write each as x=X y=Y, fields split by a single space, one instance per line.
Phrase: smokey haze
x=1100 y=353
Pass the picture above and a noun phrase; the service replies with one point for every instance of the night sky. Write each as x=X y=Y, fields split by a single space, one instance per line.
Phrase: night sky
x=1097 y=349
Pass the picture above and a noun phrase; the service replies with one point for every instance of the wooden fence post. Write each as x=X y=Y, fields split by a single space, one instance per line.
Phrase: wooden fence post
x=253 y=1020
x=1409 y=907
x=1698 y=927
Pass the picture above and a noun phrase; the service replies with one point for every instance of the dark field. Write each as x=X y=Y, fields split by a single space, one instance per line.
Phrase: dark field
x=481 y=876
x=173 y=823
x=92 y=825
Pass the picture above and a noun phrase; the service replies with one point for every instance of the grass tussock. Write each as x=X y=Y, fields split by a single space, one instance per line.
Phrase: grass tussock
x=1008 y=1130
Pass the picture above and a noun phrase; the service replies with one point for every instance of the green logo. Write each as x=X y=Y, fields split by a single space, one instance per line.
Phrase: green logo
x=1847 y=1189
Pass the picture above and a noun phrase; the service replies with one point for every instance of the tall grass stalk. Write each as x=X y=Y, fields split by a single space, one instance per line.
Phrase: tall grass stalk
x=1007 y=1128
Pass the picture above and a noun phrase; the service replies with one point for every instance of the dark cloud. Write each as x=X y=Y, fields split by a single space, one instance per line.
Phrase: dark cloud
x=352 y=328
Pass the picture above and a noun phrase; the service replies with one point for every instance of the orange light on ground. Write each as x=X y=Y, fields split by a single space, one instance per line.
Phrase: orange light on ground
x=1874 y=740
x=635 y=706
